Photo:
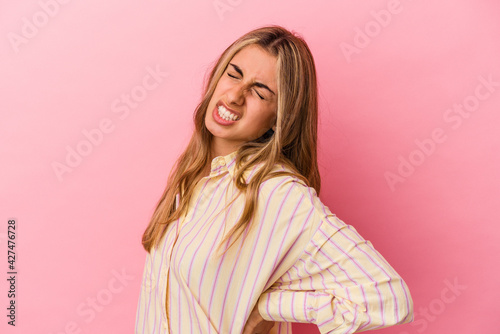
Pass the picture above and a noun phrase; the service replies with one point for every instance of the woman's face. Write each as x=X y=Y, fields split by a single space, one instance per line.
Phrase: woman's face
x=243 y=106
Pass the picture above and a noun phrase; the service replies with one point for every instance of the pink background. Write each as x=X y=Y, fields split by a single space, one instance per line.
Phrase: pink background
x=390 y=73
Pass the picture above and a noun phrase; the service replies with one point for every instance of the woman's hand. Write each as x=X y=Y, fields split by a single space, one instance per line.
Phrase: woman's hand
x=256 y=324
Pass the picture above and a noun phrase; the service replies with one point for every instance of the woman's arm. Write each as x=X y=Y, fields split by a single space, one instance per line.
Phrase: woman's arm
x=256 y=324
x=340 y=283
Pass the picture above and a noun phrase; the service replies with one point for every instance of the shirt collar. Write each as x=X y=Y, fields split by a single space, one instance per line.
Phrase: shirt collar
x=224 y=163
x=227 y=163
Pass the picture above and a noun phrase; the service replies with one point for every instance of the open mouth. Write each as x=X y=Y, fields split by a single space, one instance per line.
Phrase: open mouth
x=226 y=114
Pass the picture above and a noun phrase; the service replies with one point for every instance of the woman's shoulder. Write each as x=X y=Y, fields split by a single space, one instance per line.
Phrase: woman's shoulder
x=284 y=179
x=281 y=178
x=292 y=188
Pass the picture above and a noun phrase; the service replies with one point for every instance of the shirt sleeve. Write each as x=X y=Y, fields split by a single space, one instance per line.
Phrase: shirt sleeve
x=339 y=282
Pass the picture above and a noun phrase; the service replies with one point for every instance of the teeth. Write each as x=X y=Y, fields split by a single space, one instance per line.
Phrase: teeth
x=223 y=113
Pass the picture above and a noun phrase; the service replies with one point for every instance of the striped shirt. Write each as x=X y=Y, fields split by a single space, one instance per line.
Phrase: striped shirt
x=298 y=263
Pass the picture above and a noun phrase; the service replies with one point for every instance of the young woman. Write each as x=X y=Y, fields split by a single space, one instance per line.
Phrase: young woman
x=240 y=241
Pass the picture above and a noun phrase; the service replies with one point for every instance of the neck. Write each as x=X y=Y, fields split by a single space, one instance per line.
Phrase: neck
x=221 y=148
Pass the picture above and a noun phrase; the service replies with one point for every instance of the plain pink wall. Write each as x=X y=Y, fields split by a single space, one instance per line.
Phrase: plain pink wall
x=408 y=143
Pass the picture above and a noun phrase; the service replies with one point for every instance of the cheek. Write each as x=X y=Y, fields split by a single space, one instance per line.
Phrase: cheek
x=221 y=86
x=265 y=118
x=270 y=114
x=271 y=120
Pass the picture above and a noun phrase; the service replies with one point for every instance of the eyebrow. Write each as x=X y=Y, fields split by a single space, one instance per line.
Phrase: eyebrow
x=258 y=84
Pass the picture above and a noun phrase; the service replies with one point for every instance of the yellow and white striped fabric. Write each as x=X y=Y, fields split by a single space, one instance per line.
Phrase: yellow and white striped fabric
x=298 y=263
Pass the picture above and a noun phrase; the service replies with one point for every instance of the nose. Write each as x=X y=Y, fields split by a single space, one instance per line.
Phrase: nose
x=236 y=95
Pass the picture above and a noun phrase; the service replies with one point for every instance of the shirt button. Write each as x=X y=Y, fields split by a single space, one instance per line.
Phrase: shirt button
x=222 y=162
x=165 y=324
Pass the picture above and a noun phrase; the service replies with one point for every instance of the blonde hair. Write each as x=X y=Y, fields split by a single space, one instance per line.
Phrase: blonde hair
x=294 y=142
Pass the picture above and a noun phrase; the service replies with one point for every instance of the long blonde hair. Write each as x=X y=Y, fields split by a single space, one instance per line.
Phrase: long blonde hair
x=294 y=142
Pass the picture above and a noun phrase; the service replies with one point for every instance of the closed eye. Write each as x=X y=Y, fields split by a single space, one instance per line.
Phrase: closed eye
x=259 y=95
x=235 y=77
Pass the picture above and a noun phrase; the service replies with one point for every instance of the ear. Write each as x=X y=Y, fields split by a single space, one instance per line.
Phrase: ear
x=274 y=128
